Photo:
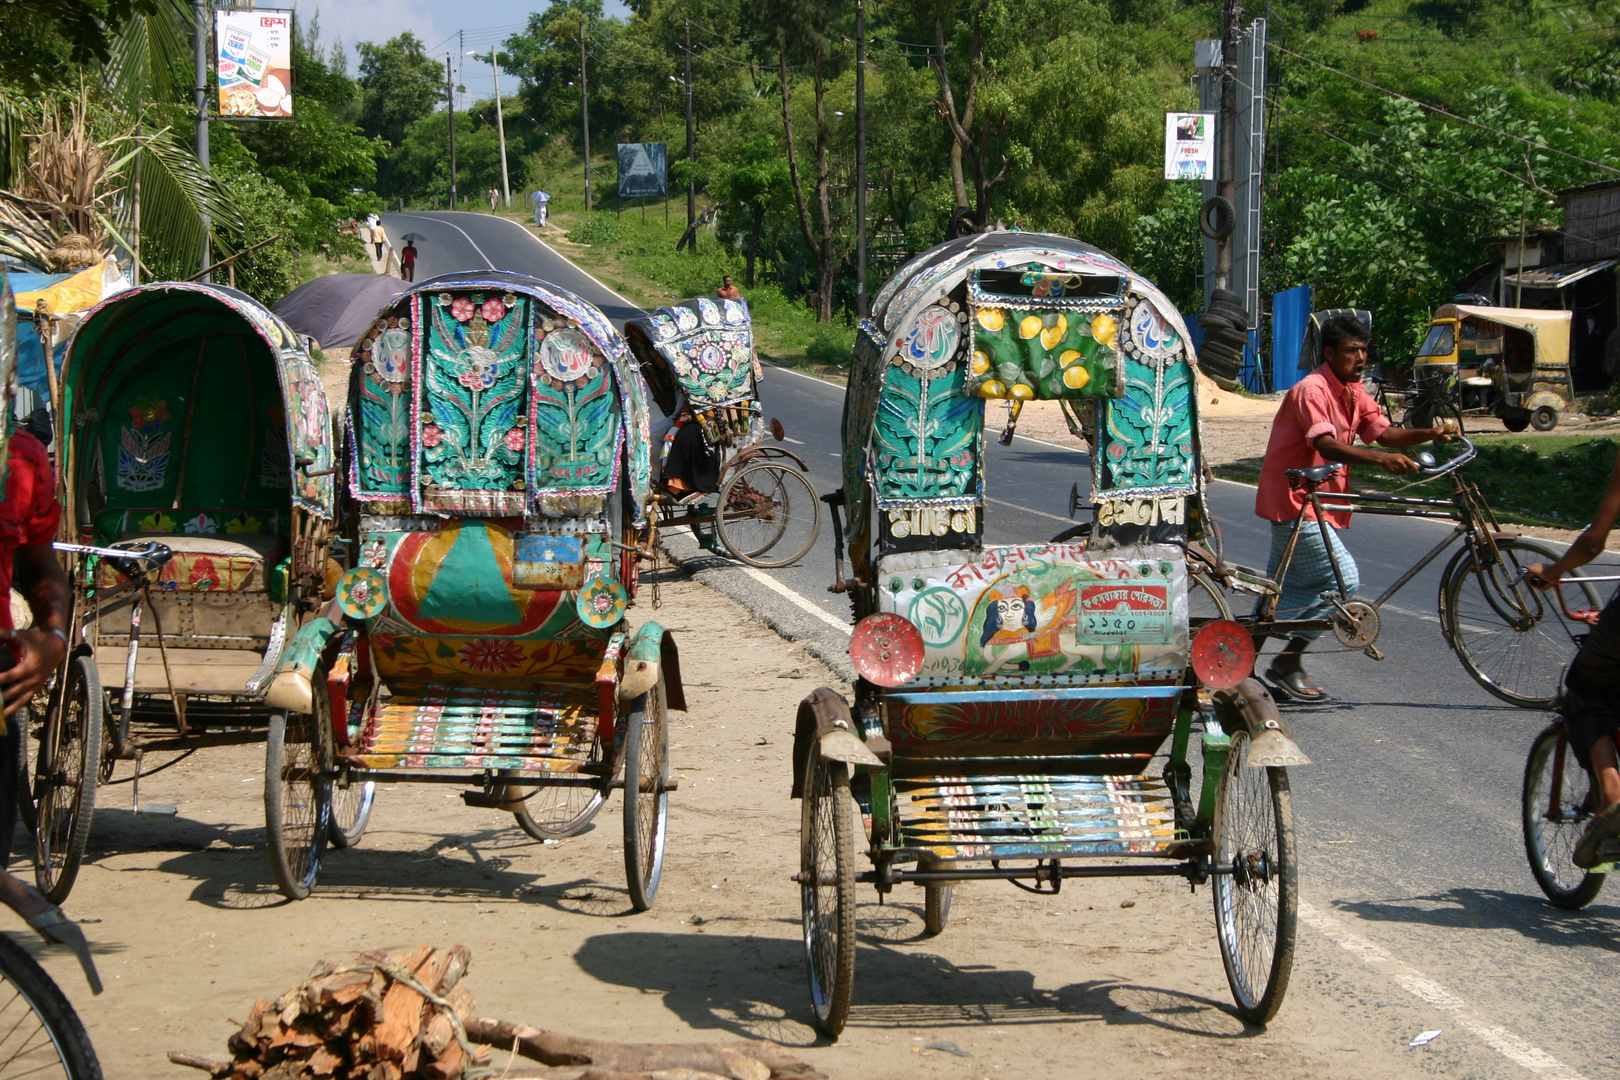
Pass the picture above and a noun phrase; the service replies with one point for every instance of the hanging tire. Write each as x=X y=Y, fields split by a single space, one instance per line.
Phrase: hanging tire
x=1216 y=218
x=69 y=766
x=936 y=909
x=1255 y=905
x=768 y=514
x=297 y=799
x=1511 y=637
x=646 y=796
x=1552 y=827
x=1544 y=418
x=827 y=891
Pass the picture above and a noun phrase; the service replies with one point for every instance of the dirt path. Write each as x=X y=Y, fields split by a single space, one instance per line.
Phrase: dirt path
x=190 y=928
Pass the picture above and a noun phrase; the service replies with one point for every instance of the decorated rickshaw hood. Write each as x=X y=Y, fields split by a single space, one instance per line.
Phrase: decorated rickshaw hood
x=97 y=349
x=630 y=388
x=706 y=345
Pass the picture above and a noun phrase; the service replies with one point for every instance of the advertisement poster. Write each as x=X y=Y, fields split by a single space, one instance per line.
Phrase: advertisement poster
x=253 y=54
x=1189 y=146
x=641 y=170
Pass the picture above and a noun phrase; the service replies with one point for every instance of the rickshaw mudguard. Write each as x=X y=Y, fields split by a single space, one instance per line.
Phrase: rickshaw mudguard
x=1249 y=704
x=826 y=725
x=652 y=653
x=293 y=688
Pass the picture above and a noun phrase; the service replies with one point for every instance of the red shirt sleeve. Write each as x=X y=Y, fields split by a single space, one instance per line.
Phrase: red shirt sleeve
x=31 y=513
x=1315 y=412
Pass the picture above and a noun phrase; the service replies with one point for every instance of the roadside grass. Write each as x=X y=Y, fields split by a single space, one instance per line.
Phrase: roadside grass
x=638 y=259
x=1553 y=481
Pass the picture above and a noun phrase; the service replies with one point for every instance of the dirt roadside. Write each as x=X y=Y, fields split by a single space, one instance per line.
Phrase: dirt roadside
x=190 y=928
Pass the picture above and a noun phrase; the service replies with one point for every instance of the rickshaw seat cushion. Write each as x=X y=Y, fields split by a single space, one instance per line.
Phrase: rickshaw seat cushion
x=234 y=562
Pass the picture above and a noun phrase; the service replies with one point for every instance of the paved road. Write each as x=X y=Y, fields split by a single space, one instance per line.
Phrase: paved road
x=1408 y=818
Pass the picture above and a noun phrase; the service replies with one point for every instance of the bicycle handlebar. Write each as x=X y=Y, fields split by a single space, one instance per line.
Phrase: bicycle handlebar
x=125 y=560
x=1455 y=463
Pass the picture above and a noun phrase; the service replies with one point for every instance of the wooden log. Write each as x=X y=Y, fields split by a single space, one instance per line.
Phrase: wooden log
x=214 y=1067
x=735 y=1061
x=401 y=1019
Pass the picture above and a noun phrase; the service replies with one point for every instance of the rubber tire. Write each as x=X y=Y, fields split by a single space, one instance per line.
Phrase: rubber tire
x=74 y=1053
x=295 y=875
x=646 y=794
x=56 y=865
x=1201 y=588
x=1533 y=806
x=1516 y=420
x=791 y=480
x=1520 y=552
x=1544 y=419
x=1217 y=217
x=1256 y=1005
x=936 y=909
x=827 y=792
x=345 y=832
x=573 y=825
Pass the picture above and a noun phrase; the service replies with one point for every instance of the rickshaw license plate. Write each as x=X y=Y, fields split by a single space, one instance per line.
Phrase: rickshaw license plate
x=548 y=562
x=1132 y=612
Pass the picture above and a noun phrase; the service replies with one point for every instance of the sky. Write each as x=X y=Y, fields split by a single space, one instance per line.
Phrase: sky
x=436 y=23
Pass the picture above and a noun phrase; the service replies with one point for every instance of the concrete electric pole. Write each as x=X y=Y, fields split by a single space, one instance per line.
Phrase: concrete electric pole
x=585 y=114
x=691 y=142
x=450 y=96
x=860 y=159
x=1227 y=132
x=200 y=98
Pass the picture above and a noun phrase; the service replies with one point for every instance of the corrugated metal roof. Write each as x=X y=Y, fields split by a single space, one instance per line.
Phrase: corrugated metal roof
x=1557 y=276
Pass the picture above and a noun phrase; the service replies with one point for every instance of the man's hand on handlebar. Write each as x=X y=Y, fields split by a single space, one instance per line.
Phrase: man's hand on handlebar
x=1541 y=576
x=1397 y=464
x=39 y=653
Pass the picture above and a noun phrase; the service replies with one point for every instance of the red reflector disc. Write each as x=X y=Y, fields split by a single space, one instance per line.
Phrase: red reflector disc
x=1222 y=654
x=886 y=649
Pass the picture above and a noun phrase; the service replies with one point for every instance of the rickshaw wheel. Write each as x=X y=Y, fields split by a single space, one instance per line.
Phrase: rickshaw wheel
x=1255 y=905
x=297 y=800
x=351 y=811
x=558 y=811
x=1544 y=418
x=1551 y=833
x=646 y=800
x=936 y=908
x=65 y=780
x=1479 y=607
x=827 y=891
x=765 y=505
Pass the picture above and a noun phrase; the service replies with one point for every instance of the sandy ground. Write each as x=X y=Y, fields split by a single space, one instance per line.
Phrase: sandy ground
x=1110 y=978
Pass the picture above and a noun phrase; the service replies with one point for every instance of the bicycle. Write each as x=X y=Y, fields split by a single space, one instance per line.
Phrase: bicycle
x=1503 y=630
x=41 y=1037
x=1556 y=807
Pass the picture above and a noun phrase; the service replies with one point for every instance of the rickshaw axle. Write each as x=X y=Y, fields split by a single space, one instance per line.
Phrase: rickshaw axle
x=1190 y=869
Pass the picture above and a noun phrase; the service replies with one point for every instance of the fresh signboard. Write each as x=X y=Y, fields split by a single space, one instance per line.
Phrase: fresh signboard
x=253 y=55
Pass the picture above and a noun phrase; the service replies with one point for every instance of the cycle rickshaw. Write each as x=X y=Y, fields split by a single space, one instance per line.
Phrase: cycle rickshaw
x=698 y=356
x=1012 y=700
x=497 y=473
x=196 y=480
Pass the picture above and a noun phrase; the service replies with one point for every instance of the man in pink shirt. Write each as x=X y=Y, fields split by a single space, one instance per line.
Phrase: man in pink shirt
x=1319 y=421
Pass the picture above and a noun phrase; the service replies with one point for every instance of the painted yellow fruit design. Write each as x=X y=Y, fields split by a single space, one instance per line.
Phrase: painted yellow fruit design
x=1030 y=326
x=1104 y=329
x=1076 y=377
x=981 y=362
x=1054 y=333
x=1021 y=392
x=992 y=318
x=992 y=388
x=1069 y=356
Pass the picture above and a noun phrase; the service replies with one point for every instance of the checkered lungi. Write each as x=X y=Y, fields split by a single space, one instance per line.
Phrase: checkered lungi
x=1310 y=574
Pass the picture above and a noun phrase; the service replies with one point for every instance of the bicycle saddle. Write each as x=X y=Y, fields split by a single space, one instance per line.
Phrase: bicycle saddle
x=152 y=553
x=1315 y=474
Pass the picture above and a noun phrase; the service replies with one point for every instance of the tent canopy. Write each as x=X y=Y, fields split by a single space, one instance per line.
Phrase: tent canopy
x=336 y=309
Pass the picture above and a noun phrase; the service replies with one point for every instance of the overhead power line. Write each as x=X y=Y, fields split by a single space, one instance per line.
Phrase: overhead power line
x=1537 y=143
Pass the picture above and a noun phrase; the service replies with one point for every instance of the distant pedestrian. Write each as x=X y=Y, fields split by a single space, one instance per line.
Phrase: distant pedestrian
x=727 y=290
x=407 y=260
x=494 y=197
x=541 y=201
x=378 y=239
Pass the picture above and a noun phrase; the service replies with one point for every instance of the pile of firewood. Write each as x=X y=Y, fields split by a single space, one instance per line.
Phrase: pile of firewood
x=408 y=1018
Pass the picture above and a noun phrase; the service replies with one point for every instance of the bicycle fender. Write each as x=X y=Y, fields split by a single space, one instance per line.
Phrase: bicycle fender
x=1445 y=580
x=293 y=688
x=1250 y=704
x=651 y=653
x=824 y=724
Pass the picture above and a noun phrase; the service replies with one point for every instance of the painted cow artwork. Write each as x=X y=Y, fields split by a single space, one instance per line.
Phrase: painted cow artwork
x=1020 y=627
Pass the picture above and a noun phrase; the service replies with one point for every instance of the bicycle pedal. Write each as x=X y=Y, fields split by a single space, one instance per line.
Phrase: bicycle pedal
x=1372 y=651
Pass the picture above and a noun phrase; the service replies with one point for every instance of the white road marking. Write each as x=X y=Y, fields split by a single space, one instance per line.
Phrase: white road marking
x=794 y=598
x=1524 y=1054
x=458 y=229
x=795 y=442
x=1028 y=510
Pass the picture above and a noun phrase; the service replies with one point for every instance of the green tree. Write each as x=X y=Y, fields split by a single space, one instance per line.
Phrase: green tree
x=399 y=84
x=752 y=180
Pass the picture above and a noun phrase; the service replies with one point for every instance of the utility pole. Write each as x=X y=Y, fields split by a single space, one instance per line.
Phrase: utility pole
x=450 y=96
x=1226 y=180
x=860 y=159
x=500 y=123
x=585 y=112
x=200 y=98
x=691 y=144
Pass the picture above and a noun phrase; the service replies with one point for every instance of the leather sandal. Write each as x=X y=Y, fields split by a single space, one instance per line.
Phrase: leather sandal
x=56 y=927
x=1294 y=686
x=1588 y=853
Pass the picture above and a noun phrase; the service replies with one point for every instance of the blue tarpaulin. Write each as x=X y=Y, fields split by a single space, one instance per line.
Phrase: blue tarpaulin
x=1289 y=311
x=30 y=351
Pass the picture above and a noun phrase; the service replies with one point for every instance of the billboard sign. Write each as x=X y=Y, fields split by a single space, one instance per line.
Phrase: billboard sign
x=1189 y=146
x=643 y=170
x=253 y=55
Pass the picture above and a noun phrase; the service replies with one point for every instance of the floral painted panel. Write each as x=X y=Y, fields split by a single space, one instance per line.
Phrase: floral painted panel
x=1146 y=441
x=575 y=423
x=708 y=346
x=382 y=414
x=469 y=380
x=925 y=438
